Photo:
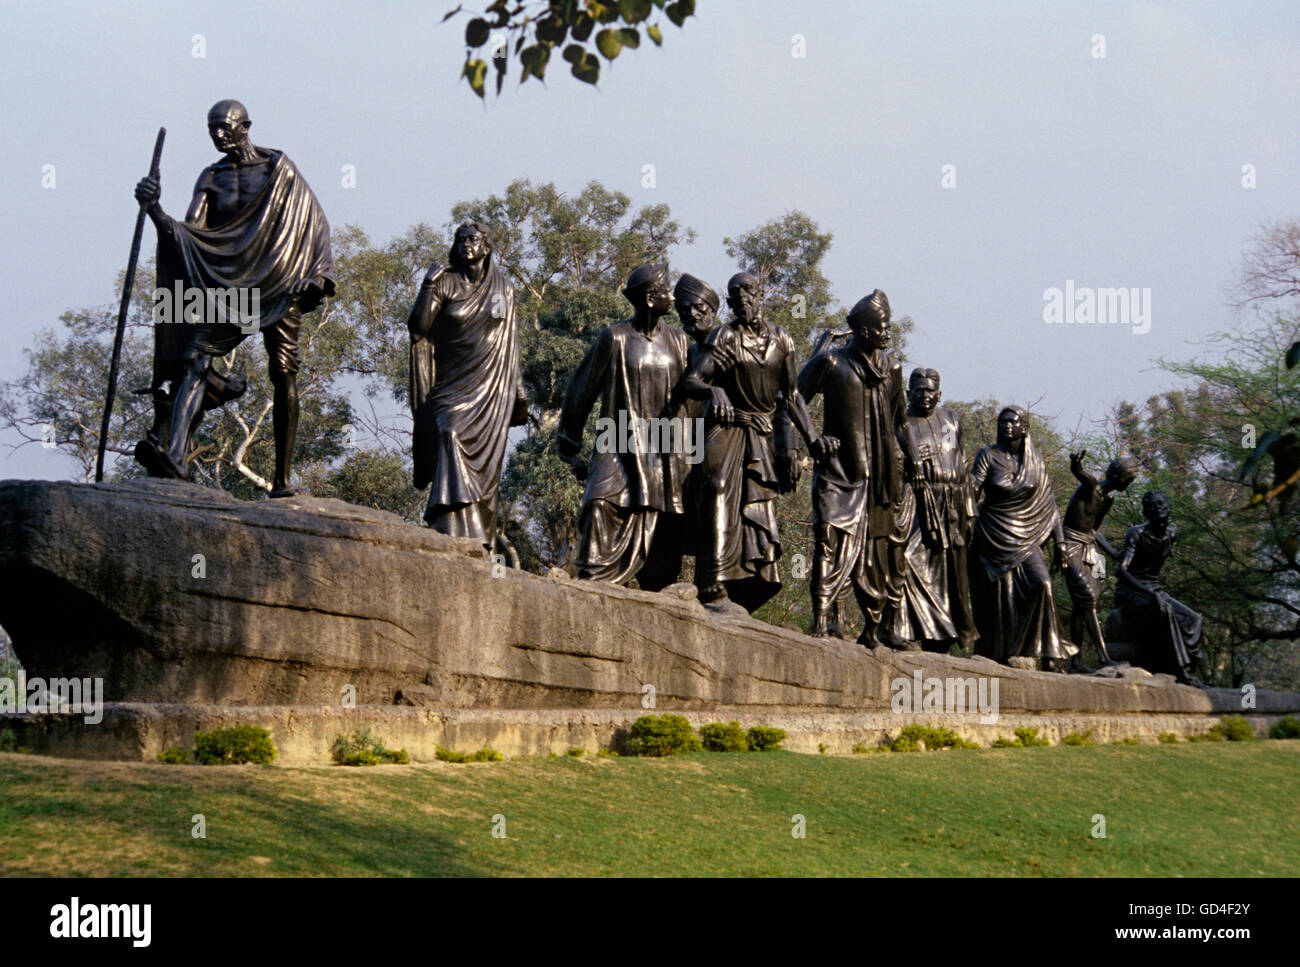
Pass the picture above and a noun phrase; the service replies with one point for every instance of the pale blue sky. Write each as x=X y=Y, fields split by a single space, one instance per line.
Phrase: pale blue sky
x=1122 y=171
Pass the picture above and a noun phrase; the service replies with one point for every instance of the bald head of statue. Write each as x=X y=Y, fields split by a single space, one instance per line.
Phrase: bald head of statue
x=228 y=125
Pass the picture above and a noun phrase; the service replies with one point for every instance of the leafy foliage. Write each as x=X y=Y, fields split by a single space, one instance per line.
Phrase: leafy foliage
x=1232 y=728
x=655 y=735
x=1026 y=738
x=9 y=664
x=444 y=754
x=724 y=737
x=1190 y=442
x=1288 y=727
x=764 y=738
x=580 y=29
x=914 y=738
x=361 y=748
x=234 y=746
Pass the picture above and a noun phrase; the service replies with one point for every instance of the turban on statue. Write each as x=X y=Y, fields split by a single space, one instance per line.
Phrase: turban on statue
x=690 y=289
x=874 y=306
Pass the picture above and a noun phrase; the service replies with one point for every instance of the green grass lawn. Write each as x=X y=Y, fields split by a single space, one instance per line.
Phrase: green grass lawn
x=1223 y=809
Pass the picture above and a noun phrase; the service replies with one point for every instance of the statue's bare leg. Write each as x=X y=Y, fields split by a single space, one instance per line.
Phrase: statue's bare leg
x=284 y=416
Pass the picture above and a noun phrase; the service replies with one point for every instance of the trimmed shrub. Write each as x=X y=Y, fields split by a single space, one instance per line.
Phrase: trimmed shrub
x=482 y=755
x=764 y=738
x=1128 y=740
x=244 y=743
x=1025 y=738
x=606 y=754
x=724 y=737
x=914 y=738
x=860 y=749
x=655 y=735
x=361 y=748
x=576 y=752
x=1074 y=738
x=174 y=757
x=1167 y=738
x=1029 y=737
x=1286 y=728
x=1233 y=728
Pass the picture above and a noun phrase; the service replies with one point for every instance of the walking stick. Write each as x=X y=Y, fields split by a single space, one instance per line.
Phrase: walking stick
x=121 y=315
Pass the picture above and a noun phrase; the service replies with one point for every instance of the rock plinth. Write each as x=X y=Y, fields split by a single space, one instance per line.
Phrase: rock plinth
x=177 y=594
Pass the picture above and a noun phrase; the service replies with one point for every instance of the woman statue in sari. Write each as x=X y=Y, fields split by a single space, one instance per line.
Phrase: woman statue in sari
x=1011 y=585
x=466 y=390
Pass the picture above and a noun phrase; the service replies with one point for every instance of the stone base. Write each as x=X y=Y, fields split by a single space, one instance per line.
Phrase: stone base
x=196 y=610
x=304 y=735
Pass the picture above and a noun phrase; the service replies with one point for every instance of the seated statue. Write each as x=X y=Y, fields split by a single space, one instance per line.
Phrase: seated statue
x=1148 y=627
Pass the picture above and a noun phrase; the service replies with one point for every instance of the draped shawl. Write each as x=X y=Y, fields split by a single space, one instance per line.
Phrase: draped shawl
x=1019 y=510
x=464 y=380
x=279 y=238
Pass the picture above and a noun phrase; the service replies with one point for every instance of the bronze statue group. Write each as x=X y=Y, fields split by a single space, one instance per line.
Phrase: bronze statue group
x=937 y=554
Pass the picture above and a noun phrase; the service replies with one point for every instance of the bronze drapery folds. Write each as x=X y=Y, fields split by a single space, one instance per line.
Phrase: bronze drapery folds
x=630 y=525
x=1011 y=585
x=857 y=482
x=747 y=376
x=257 y=243
x=932 y=608
x=465 y=385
